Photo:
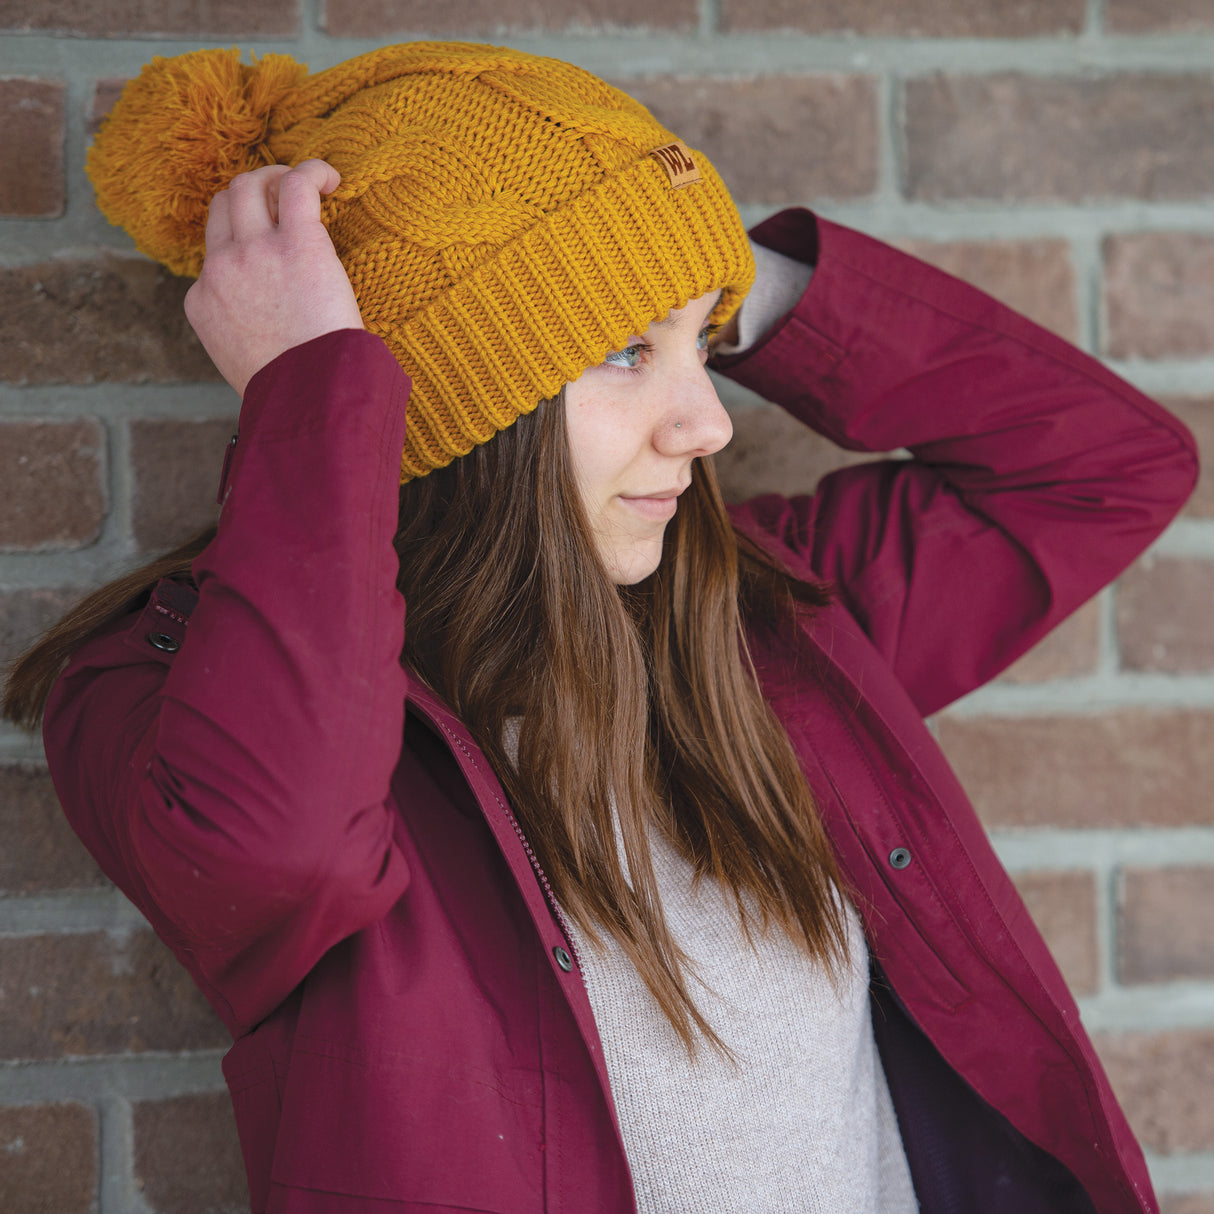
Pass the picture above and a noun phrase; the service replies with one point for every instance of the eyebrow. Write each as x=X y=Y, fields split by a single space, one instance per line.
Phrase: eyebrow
x=675 y=322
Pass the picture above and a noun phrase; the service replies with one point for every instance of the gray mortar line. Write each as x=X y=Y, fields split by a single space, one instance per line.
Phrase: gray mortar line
x=133 y=1077
x=621 y=53
x=69 y=912
x=1182 y=1173
x=1160 y=1007
x=112 y=399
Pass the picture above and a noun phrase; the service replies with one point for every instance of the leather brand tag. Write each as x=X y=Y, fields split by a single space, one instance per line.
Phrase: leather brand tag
x=676 y=159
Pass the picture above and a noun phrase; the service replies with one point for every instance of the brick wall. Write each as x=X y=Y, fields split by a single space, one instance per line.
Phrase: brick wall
x=1057 y=152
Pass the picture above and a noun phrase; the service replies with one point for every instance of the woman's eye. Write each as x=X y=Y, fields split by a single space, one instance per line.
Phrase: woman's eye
x=629 y=356
x=707 y=333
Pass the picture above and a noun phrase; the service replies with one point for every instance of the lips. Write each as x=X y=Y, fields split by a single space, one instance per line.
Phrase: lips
x=659 y=505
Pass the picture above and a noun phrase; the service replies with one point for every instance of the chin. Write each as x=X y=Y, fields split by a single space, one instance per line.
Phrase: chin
x=633 y=566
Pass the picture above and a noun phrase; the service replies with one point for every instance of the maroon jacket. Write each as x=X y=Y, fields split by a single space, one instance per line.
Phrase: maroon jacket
x=363 y=912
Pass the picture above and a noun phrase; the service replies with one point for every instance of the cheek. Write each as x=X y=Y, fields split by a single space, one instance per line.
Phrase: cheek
x=600 y=449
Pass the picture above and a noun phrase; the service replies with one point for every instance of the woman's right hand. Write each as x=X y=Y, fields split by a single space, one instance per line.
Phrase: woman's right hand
x=271 y=279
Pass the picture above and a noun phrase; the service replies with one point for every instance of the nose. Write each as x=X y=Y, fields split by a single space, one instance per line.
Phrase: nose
x=695 y=422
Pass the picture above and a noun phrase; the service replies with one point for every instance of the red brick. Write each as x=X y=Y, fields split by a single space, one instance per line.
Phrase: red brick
x=78 y=321
x=95 y=993
x=1063 y=905
x=1157 y=16
x=187 y=1156
x=177 y=467
x=26 y=614
x=1130 y=768
x=1163 y=616
x=1036 y=277
x=907 y=18
x=372 y=18
x=143 y=18
x=1159 y=295
x=1010 y=136
x=1163 y=1081
x=1163 y=919
x=32 y=118
x=51 y=472
x=48 y=1159
x=105 y=94
x=1186 y=1203
x=1071 y=650
x=1198 y=415
x=40 y=851
x=775 y=139
x=771 y=452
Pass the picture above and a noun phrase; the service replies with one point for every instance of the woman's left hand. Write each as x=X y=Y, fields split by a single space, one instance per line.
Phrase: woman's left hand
x=271 y=279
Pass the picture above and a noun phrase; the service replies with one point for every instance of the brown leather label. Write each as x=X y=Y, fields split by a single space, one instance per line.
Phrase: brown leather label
x=676 y=159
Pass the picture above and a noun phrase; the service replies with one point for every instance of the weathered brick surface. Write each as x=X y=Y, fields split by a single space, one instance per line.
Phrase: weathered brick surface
x=31 y=117
x=98 y=994
x=775 y=139
x=1071 y=650
x=1157 y=16
x=105 y=93
x=1163 y=924
x=40 y=851
x=187 y=1156
x=1009 y=136
x=908 y=18
x=51 y=472
x=1129 y=768
x=177 y=467
x=1198 y=415
x=1164 y=609
x=77 y=321
x=1159 y=295
x=48 y=1159
x=371 y=18
x=26 y=614
x=771 y=452
x=1036 y=277
x=1164 y=1081
x=114 y=18
x=1186 y=1203
x=1063 y=905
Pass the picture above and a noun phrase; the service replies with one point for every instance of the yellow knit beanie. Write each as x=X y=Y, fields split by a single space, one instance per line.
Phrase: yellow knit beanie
x=507 y=220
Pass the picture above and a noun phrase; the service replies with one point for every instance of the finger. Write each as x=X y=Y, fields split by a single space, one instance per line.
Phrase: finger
x=300 y=190
x=219 y=221
x=253 y=206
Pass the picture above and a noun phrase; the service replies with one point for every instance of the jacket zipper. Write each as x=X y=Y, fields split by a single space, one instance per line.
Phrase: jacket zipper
x=541 y=876
x=545 y=885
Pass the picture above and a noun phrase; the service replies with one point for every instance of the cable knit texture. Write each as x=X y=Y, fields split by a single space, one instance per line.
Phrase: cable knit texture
x=503 y=217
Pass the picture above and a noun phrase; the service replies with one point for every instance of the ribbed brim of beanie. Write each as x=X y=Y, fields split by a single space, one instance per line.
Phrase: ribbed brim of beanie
x=557 y=300
x=503 y=219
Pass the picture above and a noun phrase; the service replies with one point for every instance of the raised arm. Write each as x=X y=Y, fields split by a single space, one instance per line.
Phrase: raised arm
x=1036 y=475
x=236 y=789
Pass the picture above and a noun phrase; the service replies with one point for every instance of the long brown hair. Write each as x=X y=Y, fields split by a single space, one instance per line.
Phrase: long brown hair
x=613 y=712
x=604 y=709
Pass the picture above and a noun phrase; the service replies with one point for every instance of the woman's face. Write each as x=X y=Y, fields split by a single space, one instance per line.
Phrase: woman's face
x=635 y=423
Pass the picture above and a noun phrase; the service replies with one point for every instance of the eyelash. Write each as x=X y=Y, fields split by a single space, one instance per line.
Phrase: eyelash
x=706 y=334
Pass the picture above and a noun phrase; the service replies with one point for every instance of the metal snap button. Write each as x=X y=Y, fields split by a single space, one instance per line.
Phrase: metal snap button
x=563 y=959
x=899 y=857
x=162 y=640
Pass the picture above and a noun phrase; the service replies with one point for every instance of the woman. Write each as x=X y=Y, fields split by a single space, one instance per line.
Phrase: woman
x=638 y=882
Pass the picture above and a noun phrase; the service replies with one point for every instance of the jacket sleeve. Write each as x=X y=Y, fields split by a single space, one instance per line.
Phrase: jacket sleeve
x=237 y=793
x=1035 y=475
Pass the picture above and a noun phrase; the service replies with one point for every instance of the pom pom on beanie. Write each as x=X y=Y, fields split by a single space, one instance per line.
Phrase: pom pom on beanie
x=179 y=133
x=506 y=220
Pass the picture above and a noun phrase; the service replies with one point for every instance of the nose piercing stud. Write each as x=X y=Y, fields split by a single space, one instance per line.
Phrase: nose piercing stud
x=678 y=425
